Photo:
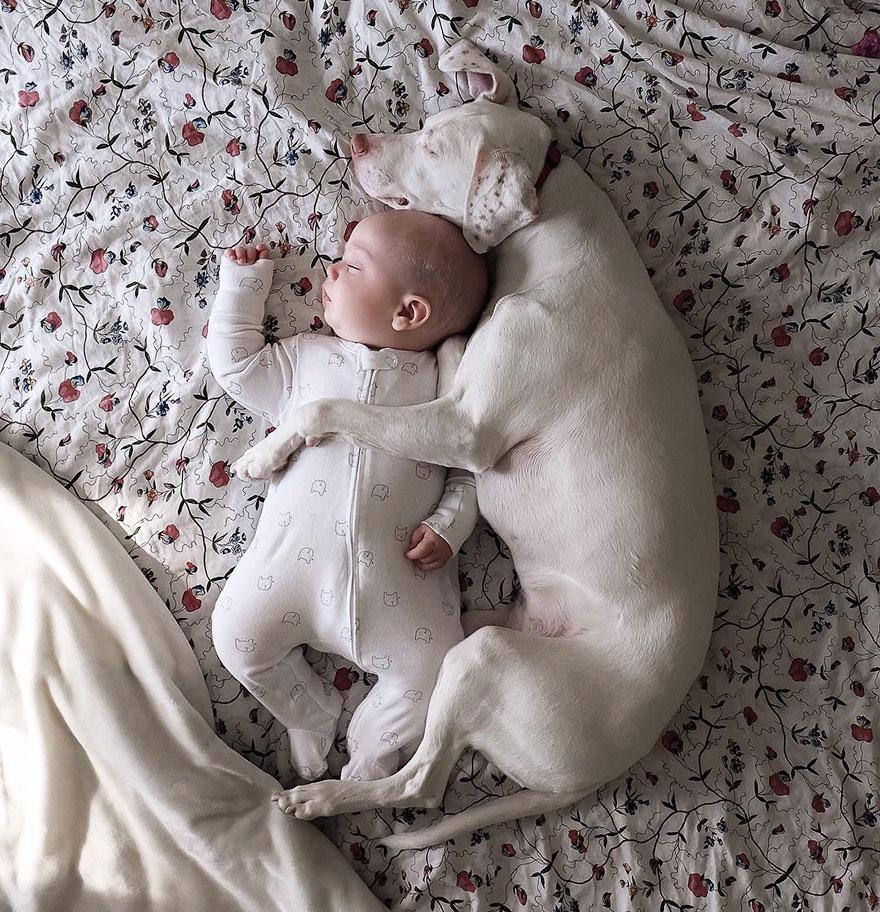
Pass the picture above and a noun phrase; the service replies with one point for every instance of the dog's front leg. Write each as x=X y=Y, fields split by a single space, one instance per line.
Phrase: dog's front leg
x=452 y=431
x=441 y=431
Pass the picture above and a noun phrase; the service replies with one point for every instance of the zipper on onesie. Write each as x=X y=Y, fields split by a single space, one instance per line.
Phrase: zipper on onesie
x=352 y=516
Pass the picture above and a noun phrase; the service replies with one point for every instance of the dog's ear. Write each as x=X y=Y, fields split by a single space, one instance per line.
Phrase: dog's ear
x=485 y=78
x=500 y=199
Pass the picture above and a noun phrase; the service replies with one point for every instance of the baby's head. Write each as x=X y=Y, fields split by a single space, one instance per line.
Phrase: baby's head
x=407 y=280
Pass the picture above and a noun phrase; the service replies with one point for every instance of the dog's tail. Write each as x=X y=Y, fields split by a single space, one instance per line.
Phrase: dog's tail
x=526 y=803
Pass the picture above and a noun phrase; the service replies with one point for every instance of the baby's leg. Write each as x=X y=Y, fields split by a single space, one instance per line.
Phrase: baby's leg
x=390 y=721
x=311 y=731
x=259 y=638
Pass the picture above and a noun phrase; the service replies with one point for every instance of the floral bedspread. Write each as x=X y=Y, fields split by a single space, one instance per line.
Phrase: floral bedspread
x=739 y=143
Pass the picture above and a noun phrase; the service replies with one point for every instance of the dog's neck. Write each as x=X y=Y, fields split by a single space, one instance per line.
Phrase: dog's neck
x=561 y=229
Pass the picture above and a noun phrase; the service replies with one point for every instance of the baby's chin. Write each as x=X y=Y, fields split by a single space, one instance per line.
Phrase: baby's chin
x=331 y=322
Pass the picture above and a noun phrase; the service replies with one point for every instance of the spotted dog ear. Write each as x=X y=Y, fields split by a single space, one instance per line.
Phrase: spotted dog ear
x=500 y=199
x=485 y=79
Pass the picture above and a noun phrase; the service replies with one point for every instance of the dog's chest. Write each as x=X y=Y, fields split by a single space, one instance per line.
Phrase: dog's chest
x=510 y=493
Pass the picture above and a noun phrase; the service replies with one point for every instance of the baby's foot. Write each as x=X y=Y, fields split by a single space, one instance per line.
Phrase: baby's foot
x=308 y=752
x=364 y=768
x=248 y=254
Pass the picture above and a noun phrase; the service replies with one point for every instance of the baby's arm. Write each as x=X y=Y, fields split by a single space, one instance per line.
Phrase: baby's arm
x=258 y=375
x=456 y=514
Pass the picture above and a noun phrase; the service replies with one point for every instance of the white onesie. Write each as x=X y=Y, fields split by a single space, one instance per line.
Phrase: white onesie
x=326 y=567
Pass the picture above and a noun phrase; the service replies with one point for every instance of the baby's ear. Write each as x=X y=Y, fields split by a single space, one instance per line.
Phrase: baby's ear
x=413 y=313
x=500 y=199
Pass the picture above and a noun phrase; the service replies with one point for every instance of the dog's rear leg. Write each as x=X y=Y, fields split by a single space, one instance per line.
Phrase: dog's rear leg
x=422 y=781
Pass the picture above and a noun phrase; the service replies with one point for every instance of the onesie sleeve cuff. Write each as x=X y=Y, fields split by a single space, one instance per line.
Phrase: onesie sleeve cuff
x=455 y=541
x=456 y=514
x=232 y=275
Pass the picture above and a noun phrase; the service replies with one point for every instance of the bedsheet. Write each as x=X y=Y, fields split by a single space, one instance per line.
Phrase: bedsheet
x=117 y=795
x=739 y=143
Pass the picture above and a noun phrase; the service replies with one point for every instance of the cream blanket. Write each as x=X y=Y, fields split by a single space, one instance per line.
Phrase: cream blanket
x=115 y=792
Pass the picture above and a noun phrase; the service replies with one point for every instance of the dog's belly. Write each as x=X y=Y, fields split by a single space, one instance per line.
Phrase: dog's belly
x=608 y=532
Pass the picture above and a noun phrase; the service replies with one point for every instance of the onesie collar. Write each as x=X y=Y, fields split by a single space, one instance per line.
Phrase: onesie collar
x=370 y=359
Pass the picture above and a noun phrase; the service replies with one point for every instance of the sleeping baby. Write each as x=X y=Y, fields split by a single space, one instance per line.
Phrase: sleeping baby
x=352 y=550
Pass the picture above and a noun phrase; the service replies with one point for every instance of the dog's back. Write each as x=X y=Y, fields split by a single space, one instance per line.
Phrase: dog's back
x=610 y=489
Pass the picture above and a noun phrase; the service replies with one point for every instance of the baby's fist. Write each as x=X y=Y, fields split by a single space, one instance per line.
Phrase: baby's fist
x=427 y=550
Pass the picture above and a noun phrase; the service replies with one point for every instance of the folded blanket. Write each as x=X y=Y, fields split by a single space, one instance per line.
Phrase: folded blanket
x=115 y=791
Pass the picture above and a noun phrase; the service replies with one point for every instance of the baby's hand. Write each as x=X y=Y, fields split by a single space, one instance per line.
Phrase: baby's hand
x=427 y=549
x=248 y=254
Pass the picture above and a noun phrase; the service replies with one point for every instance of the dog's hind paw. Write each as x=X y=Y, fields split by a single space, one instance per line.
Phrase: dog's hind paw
x=314 y=799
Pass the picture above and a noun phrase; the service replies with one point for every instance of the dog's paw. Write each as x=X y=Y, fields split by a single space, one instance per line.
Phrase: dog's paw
x=314 y=799
x=252 y=466
x=266 y=457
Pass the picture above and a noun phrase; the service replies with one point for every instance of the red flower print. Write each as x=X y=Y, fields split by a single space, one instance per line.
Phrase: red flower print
x=465 y=883
x=285 y=63
x=219 y=477
x=778 y=783
x=697 y=885
x=68 y=392
x=99 y=261
x=868 y=45
x=193 y=136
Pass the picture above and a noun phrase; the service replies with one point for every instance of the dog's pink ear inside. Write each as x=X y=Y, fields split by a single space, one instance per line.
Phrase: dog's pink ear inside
x=500 y=199
x=485 y=79
x=489 y=86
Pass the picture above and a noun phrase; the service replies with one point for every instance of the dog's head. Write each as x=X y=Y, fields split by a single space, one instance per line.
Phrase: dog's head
x=475 y=165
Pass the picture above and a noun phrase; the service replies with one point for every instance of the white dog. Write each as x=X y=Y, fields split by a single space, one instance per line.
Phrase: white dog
x=575 y=404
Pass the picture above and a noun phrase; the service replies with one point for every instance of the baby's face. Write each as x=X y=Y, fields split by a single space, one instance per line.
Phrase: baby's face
x=362 y=292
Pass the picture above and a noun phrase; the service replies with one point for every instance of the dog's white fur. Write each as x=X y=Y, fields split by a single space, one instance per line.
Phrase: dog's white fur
x=576 y=406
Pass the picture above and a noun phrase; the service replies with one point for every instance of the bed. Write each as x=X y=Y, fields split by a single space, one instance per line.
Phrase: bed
x=738 y=142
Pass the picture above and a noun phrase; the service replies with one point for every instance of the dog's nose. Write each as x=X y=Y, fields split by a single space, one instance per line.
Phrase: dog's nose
x=358 y=144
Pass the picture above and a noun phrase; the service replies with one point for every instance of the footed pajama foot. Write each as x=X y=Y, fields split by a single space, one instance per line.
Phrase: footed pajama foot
x=361 y=768
x=308 y=752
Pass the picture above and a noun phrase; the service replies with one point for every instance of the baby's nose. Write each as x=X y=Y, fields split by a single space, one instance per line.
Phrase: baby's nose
x=359 y=144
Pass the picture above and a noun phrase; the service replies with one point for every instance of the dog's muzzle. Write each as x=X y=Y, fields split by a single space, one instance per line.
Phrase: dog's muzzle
x=359 y=147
